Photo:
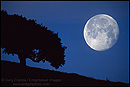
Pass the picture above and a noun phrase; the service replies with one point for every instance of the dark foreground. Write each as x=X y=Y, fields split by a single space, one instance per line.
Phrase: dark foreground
x=13 y=74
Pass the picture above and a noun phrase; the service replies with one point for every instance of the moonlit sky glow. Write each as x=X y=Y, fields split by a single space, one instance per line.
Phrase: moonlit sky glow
x=68 y=18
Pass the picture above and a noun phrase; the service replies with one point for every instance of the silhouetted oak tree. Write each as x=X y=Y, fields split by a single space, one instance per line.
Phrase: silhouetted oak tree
x=30 y=40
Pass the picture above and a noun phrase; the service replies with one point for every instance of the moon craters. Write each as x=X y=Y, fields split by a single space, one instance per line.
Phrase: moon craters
x=101 y=32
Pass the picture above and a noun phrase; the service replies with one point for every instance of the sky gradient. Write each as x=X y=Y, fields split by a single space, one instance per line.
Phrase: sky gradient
x=68 y=18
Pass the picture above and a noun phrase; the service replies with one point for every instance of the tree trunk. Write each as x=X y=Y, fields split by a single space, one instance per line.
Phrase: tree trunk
x=22 y=65
x=22 y=61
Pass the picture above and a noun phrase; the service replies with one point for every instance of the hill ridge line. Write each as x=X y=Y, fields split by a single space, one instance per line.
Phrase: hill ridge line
x=65 y=79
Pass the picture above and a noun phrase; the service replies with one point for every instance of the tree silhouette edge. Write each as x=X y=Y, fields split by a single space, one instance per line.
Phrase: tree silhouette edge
x=49 y=47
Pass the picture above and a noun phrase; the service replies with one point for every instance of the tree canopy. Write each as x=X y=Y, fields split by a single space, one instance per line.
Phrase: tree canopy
x=30 y=40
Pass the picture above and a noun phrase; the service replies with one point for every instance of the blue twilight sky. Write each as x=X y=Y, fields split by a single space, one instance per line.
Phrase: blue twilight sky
x=68 y=18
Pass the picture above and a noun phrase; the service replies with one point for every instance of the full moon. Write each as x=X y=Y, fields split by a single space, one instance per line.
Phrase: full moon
x=101 y=32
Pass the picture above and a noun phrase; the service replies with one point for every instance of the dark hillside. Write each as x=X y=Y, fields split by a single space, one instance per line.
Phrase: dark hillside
x=13 y=74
